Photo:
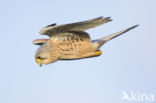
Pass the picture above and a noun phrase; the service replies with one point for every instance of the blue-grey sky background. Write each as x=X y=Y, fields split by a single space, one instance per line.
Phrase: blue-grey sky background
x=128 y=63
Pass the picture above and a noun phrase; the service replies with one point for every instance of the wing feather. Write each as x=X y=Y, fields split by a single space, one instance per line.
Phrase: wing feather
x=40 y=41
x=79 y=26
x=74 y=36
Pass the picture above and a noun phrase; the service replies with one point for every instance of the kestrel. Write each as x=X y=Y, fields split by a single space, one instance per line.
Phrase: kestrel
x=70 y=41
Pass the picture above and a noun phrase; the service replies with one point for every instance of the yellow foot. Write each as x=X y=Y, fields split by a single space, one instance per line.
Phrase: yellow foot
x=97 y=53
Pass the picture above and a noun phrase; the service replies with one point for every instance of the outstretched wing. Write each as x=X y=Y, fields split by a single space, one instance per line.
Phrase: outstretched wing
x=79 y=26
x=109 y=37
x=99 y=42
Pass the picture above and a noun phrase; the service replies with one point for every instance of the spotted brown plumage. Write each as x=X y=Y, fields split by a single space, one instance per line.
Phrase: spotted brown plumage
x=70 y=41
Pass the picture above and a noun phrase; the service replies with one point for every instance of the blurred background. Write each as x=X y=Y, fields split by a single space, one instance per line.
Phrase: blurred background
x=128 y=62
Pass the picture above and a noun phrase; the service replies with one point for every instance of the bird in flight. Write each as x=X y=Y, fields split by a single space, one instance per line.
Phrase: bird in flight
x=70 y=41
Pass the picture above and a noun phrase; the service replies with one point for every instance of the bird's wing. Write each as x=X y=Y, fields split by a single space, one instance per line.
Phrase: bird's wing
x=40 y=41
x=79 y=26
x=109 y=37
x=74 y=36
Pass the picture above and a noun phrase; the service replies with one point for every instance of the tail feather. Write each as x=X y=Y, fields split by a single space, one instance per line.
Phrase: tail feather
x=101 y=41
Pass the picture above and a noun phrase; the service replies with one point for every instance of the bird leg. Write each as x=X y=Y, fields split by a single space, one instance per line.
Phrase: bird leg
x=97 y=53
x=92 y=54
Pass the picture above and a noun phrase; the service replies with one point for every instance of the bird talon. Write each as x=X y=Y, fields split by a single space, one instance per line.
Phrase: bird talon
x=97 y=53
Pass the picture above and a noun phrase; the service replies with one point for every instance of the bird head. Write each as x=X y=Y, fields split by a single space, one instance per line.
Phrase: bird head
x=44 y=55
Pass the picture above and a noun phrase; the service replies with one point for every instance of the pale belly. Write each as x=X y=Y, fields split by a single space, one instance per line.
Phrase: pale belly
x=74 y=50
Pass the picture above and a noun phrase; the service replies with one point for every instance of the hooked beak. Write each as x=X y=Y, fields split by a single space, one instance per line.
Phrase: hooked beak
x=39 y=62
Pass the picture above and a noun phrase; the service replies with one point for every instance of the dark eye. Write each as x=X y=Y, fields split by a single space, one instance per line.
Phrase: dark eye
x=38 y=57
